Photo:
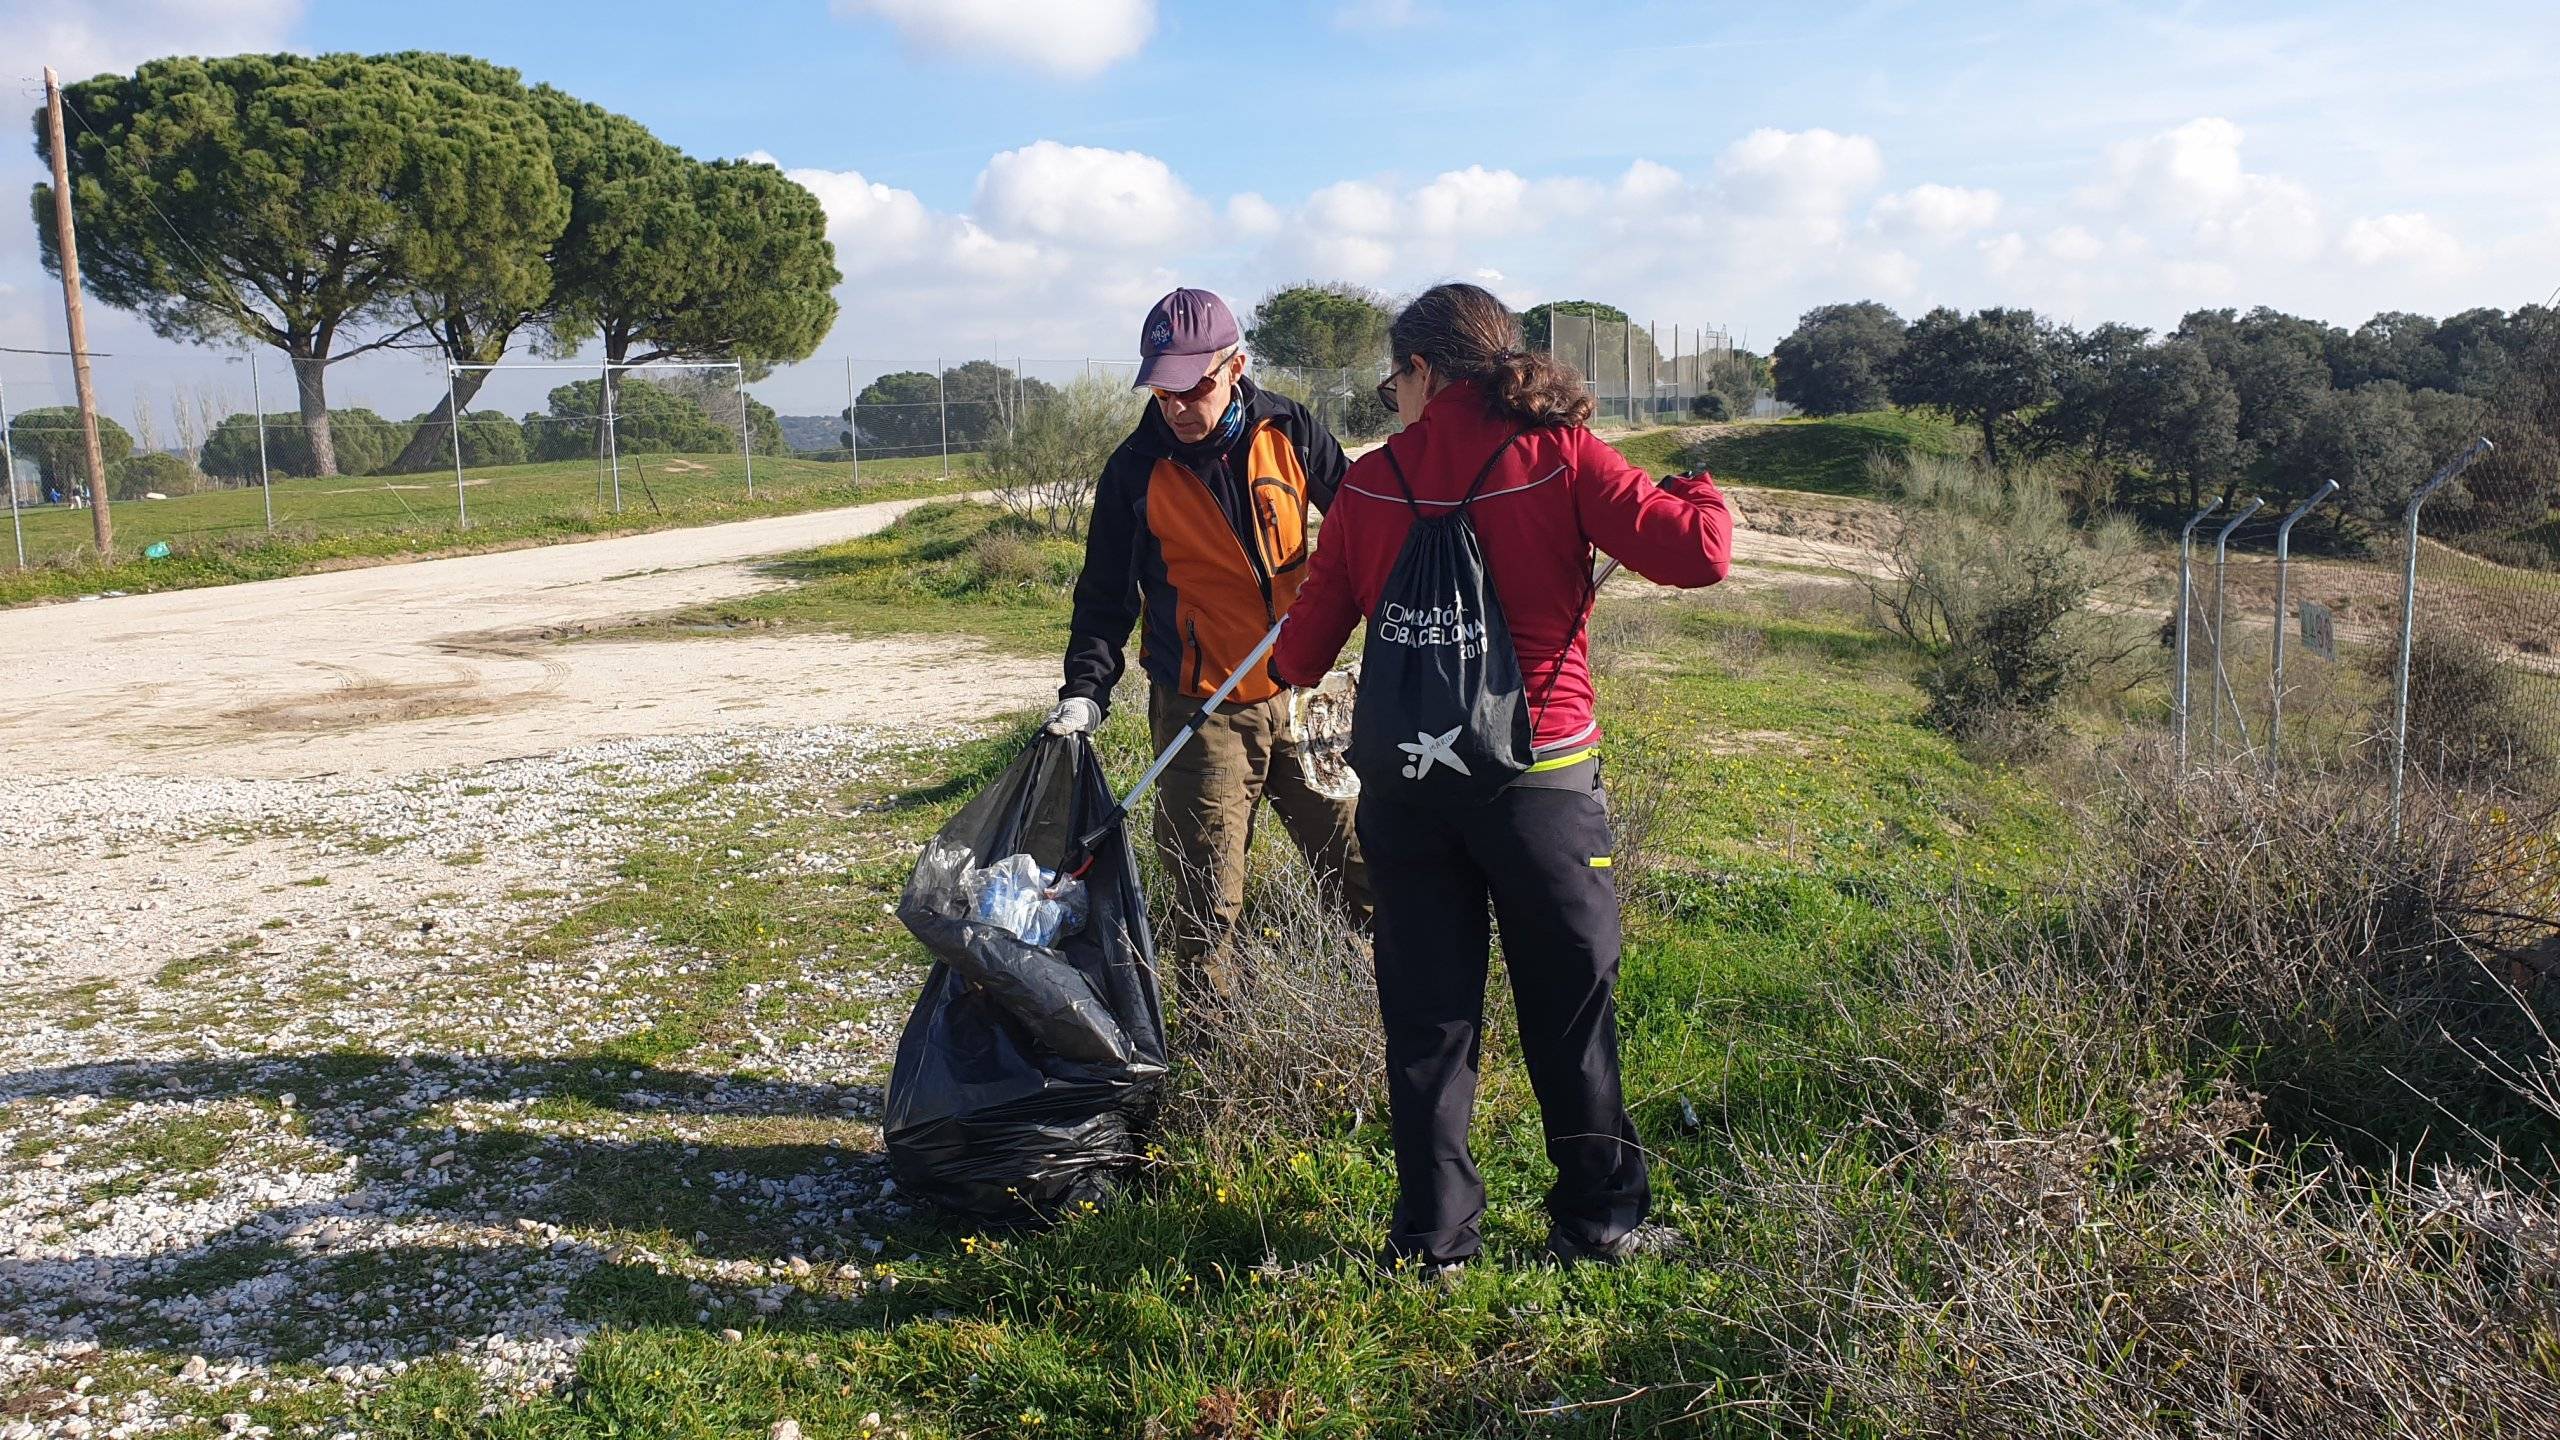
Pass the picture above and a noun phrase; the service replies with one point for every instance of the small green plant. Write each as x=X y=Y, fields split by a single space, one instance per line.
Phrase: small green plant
x=1989 y=578
x=1044 y=467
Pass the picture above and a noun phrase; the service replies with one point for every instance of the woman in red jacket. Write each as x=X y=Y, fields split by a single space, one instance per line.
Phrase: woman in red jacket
x=1538 y=851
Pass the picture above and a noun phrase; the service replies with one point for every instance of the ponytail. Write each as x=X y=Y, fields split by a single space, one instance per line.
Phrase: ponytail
x=1467 y=334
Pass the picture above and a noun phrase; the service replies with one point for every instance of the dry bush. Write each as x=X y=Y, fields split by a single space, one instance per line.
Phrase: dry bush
x=2470 y=722
x=1987 y=576
x=1290 y=1044
x=2157 y=1277
x=2037 y=1226
x=1006 y=559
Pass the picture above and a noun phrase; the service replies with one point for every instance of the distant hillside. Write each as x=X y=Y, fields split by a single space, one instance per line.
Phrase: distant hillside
x=812 y=432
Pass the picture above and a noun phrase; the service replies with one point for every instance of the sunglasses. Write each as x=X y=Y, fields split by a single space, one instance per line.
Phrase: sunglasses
x=1387 y=387
x=1198 y=392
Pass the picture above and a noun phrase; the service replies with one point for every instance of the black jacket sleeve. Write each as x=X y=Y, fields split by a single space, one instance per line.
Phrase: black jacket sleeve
x=1322 y=456
x=1107 y=597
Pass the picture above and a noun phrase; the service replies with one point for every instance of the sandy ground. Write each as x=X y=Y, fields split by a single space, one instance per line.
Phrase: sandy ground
x=403 y=668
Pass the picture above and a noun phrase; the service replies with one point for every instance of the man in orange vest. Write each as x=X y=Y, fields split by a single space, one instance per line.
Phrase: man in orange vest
x=1199 y=540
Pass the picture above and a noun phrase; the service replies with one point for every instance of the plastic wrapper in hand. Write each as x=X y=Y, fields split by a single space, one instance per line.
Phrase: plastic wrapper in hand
x=1027 y=1071
x=1016 y=894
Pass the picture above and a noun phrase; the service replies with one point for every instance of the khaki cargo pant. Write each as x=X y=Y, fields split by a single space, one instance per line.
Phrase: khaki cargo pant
x=1204 y=820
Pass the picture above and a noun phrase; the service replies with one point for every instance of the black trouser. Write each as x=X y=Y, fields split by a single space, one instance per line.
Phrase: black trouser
x=1529 y=852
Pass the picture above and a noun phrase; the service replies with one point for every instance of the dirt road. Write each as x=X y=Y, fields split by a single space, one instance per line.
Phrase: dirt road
x=402 y=668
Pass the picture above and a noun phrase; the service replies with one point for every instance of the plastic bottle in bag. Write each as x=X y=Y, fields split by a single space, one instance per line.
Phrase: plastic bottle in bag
x=1014 y=894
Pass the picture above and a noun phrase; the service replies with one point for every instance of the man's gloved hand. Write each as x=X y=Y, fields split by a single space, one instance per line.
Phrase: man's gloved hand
x=1074 y=717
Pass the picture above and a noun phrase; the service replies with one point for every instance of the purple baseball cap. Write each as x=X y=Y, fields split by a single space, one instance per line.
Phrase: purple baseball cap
x=1183 y=333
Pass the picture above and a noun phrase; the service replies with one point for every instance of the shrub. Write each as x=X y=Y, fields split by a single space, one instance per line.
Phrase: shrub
x=1046 y=467
x=1988 y=577
x=1291 y=1046
x=2470 y=722
x=2037 y=1223
x=156 y=473
x=1709 y=405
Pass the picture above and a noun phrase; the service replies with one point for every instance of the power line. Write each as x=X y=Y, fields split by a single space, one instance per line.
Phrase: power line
x=22 y=350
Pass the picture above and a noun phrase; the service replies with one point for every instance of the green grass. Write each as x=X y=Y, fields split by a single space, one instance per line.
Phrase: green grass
x=220 y=537
x=957 y=568
x=1809 y=820
x=1826 y=456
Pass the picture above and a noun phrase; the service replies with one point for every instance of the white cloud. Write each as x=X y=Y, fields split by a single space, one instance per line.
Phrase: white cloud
x=1474 y=203
x=2073 y=245
x=1082 y=196
x=1937 y=211
x=85 y=40
x=1802 y=172
x=2001 y=253
x=1252 y=216
x=1067 y=37
x=1649 y=183
x=2409 y=238
x=2195 y=175
x=873 y=225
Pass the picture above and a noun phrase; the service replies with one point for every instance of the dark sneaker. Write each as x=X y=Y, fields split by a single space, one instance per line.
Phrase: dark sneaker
x=1643 y=1242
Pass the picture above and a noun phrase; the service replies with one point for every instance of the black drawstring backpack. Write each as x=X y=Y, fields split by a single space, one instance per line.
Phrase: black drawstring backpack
x=1443 y=718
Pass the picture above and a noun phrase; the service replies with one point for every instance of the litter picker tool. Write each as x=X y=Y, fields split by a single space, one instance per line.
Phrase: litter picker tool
x=1080 y=859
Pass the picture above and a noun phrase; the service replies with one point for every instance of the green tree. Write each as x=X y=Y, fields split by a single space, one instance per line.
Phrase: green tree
x=721 y=261
x=1538 y=323
x=158 y=473
x=2186 y=419
x=648 y=419
x=366 y=445
x=1045 y=468
x=2278 y=368
x=1982 y=369
x=50 y=436
x=1839 y=358
x=900 y=413
x=1331 y=325
x=489 y=437
x=315 y=195
x=984 y=403
x=2367 y=439
x=2096 y=389
x=473 y=319
x=1737 y=381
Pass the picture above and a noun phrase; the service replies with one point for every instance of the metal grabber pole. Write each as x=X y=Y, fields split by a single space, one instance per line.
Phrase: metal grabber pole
x=2284 y=558
x=1080 y=859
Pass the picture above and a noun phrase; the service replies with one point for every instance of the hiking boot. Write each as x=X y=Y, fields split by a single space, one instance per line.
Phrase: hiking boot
x=1644 y=1241
x=1391 y=1263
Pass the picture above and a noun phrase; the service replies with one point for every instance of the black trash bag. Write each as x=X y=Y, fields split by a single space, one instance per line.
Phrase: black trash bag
x=1026 y=1073
x=1443 y=715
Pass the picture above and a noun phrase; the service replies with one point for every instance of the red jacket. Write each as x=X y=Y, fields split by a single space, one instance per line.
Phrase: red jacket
x=1559 y=493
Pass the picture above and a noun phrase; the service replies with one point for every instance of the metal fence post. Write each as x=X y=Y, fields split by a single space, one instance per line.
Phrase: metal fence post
x=2409 y=624
x=746 y=436
x=852 y=420
x=2186 y=619
x=2223 y=680
x=9 y=463
x=258 y=406
x=453 y=416
x=942 y=400
x=612 y=442
x=2284 y=560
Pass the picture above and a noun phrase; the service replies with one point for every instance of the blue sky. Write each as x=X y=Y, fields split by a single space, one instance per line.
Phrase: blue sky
x=1015 y=178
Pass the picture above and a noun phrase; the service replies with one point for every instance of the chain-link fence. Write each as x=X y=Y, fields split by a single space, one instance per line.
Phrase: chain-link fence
x=1640 y=373
x=2419 y=659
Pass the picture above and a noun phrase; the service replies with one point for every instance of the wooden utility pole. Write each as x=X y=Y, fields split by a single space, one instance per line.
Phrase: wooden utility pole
x=67 y=243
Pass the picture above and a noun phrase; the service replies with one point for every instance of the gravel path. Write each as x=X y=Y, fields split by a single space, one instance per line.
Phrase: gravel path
x=397 y=668
x=290 y=1101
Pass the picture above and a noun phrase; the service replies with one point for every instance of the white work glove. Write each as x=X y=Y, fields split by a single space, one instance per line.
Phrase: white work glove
x=1074 y=717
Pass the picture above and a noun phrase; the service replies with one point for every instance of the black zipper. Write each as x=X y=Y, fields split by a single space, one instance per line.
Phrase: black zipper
x=1192 y=628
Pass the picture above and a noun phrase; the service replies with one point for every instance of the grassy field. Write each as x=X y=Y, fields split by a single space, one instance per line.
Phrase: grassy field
x=1805 y=820
x=1826 y=456
x=220 y=536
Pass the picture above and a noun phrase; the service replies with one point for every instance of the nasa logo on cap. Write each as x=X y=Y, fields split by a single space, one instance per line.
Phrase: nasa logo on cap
x=1160 y=336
